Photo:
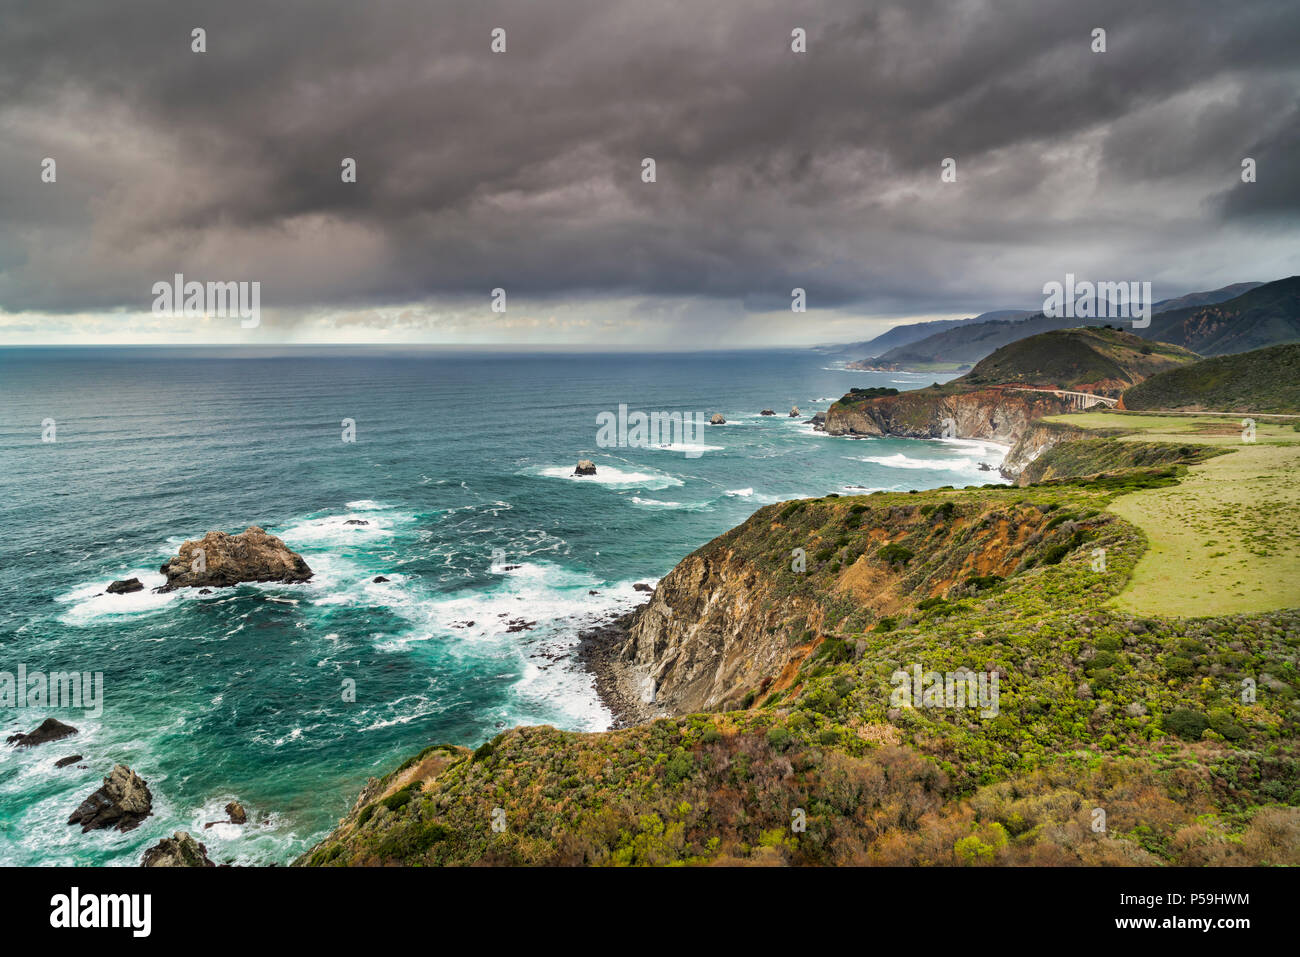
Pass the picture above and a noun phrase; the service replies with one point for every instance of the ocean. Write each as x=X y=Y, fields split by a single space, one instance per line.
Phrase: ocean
x=496 y=556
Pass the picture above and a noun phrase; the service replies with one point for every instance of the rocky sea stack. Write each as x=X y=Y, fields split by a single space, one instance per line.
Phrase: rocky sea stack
x=585 y=467
x=48 y=730
x=717 y=419
x=219 y=560
x=179 y=850
x=123 y=802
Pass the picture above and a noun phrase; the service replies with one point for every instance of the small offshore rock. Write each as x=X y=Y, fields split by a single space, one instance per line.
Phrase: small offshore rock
x=123 y=802
x=179 y=850
x=48 y=730
x=768 y=412
x=237 y=813
x=642 y=586
x=585 y=467
x=717 y=419
x=794 y=412
x=125 y=586
x=356 y=521
x=378 y=579
x=70 y=759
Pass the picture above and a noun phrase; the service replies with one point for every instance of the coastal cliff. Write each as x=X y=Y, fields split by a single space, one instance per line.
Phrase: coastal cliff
x=736 y=620
x=794 y=670
x=994 y=414
x=1005 y=395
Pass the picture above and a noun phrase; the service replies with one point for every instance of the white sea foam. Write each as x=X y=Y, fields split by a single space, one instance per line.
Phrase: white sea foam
x=556 y=602
x=653 y=503
x=740 y=492
x=901 y=461
x=613 y=476
x=327 y=531
x=691 y=448
x=88 y=602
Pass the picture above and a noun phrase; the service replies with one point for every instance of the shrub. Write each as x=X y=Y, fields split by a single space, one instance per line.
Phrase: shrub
x=679 y=767
x=1222 y=721
x=1185 y=723
x=398 y=799
x=779 y=738
x=895 y=553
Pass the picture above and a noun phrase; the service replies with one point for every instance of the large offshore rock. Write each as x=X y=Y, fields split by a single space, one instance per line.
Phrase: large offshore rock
x=123 y=802
x=219 y=560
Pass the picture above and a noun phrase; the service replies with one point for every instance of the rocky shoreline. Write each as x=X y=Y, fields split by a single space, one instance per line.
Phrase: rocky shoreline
x=619 y=682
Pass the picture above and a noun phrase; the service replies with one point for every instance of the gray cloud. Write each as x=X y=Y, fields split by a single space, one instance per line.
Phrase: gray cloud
x=522 y=170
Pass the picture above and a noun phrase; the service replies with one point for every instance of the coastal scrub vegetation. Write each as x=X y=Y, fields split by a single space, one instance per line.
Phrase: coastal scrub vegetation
x=1141 y=716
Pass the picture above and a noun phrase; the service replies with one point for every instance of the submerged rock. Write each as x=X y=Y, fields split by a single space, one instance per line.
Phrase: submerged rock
x=70 y=759
x=642 y=586
x=123 y=802
x=179 y=850
x=378 y=580
x=585 y=467
x=768 y=412
x=48 y=730
x=126 y=586
x=356 y=521
x=717 y=419
x=220 y=560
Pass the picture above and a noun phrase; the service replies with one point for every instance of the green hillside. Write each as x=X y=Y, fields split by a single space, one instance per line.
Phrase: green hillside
x=1104 y=359
x=1263 y=380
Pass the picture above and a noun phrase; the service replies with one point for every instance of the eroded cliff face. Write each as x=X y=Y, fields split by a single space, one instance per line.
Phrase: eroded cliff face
x=994 y=414
x=734 y=621
x=1036 y=439
x=713 y=631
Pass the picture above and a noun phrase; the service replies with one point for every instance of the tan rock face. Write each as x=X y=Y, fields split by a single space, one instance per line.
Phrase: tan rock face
x=722 y=628
x=179 y=850
x=123 y=802
x=218 y=560
x=992 y=414
x=705 y=639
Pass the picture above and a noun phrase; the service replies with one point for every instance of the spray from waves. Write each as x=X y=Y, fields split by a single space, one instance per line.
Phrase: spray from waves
x=322 y=538
x=526 y=622
x=901 y=461
x=611 y=476
x=688 y=448
x=656 y=504
x=89 y=603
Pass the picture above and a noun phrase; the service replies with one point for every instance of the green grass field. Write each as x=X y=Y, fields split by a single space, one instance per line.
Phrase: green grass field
x=1226 y=540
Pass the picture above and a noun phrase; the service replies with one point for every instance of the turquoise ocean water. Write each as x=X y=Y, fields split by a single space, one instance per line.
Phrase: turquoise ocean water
x=459 y=458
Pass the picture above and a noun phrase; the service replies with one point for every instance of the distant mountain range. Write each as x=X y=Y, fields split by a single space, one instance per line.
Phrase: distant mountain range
x=1234 y=318
x=1266 y=315
x=915 y=331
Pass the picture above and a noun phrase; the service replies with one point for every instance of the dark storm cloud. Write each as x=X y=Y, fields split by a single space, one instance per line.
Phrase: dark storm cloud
x=522 y=170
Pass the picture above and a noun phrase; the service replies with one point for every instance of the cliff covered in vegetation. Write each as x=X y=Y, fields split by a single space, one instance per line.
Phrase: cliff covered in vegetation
x=1004 y=396
x=785 y=741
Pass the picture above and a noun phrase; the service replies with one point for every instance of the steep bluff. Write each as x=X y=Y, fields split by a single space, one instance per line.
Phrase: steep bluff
x=996 y=414
x=735 y=620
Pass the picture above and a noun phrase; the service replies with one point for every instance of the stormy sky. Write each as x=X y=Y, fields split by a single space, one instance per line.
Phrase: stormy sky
x=523 y=170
